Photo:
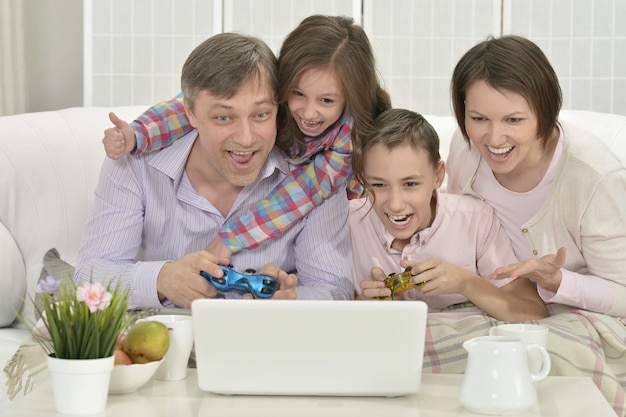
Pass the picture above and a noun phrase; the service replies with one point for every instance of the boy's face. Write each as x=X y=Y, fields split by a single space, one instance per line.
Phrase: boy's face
x=235 y=135
x=403 y=181
x=317 y=101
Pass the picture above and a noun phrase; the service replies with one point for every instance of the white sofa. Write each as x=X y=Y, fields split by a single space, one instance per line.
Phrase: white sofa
x=49 y=165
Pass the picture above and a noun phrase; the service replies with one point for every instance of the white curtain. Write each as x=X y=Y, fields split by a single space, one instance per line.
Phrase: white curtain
x=12 y=61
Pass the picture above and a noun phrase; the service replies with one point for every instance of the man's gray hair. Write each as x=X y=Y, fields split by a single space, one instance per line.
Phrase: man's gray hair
x=222 y=63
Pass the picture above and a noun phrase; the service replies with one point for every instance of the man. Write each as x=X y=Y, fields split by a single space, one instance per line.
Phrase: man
x=154 y=213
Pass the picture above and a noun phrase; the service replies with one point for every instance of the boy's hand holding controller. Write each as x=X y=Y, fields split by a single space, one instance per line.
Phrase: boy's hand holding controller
x=374 y=285
x=118 y=140
x=386 y=287
x=443 y=277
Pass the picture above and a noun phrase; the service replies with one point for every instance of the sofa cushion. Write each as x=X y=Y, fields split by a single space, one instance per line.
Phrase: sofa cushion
x=611 y=128
x=12 y=279
x=56 y=267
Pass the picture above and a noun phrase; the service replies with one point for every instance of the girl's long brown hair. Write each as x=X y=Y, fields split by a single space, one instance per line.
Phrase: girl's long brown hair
x=330 y=42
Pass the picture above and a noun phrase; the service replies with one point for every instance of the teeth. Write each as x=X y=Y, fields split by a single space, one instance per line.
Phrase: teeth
x=308 y=123
x=240 y=153
x=399 y=220
x=499 y=151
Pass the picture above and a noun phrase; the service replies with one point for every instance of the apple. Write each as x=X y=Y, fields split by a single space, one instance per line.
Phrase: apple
x=119 y=344
x=121 y=357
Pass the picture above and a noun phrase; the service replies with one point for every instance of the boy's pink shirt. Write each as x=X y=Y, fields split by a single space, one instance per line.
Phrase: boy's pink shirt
x=465 y=232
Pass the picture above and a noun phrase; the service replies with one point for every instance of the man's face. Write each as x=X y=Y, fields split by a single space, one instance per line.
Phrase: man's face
x=235 y=135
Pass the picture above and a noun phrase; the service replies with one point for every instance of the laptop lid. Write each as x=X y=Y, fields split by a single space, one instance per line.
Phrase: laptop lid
x=306 y=347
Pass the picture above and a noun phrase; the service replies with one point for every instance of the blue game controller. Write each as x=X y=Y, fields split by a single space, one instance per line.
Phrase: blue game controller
x=260 y=286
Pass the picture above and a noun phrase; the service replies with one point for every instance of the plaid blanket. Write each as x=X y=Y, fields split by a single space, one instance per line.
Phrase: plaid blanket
x=580 y=343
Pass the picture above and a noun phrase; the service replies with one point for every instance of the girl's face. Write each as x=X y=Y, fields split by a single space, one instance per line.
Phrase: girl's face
x=403 y=181
x=503 y=128
x=317 y=101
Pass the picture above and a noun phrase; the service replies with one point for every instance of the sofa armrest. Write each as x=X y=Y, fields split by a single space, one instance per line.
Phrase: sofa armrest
x=49 y=165
x=13 y=279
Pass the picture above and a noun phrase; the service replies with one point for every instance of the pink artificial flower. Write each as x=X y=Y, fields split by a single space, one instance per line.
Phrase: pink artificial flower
x=94 y=295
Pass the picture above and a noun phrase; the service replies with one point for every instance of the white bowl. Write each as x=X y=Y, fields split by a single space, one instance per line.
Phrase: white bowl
x=128 y=378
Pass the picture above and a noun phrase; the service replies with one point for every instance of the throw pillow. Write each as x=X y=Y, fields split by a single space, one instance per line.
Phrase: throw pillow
x=53 y=265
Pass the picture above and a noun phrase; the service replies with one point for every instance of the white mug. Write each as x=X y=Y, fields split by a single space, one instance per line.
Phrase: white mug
x=527 y=333
x=175 y=362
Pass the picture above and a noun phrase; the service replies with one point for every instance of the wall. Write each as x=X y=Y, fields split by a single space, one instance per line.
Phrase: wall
x=586 y=42
x=138 y=47
x=418 y=43
x=134 y=48
x=53 y=43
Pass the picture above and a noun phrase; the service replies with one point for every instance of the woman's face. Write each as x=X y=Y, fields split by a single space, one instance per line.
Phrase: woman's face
x=403 y=180
x=503 y=128
x=317 y=101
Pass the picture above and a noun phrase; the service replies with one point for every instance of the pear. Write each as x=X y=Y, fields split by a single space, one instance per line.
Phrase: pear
x=147 y=341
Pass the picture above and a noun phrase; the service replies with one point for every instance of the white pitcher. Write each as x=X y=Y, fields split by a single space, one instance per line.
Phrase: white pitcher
x=497 y=378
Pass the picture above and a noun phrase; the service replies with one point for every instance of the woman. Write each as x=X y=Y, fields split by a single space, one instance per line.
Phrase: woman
x=559 y=192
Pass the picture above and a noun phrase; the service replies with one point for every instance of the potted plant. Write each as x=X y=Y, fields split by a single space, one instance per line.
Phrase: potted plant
x=78 y=329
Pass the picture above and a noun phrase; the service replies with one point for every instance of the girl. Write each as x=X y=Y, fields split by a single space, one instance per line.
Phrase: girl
x=558 y=190
x=329 y=95
x=450 y=242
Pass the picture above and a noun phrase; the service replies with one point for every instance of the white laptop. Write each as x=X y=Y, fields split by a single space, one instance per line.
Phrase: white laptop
x=298 y=347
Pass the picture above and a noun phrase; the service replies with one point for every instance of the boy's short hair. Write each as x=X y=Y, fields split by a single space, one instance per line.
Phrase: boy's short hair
x=393 y=128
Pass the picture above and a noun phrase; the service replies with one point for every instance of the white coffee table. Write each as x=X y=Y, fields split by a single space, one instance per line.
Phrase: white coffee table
x=438 y=396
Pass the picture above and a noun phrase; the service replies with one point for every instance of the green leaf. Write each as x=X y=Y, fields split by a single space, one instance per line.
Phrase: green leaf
x=77 y=333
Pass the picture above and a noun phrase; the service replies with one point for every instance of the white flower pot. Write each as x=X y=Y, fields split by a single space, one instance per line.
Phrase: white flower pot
x=80 y=386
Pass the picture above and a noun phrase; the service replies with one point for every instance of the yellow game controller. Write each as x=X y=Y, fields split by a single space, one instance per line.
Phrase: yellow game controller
x=398 y=283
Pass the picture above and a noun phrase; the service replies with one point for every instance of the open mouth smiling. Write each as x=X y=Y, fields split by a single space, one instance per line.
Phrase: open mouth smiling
x=242 y=157
x=310 y=124
x=401 y=220
x=500 y=152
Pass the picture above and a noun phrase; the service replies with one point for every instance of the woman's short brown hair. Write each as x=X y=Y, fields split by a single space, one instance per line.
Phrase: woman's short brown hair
x=515 y=64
